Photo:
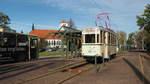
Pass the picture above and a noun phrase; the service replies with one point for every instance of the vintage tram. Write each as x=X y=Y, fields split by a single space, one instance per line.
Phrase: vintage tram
x=18 y=47
x=100 y=42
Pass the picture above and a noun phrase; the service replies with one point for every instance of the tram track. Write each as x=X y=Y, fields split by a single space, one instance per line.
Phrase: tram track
x=78 y=72
x=25 y=71
x=6 y=68
x=54 y=71
x=67 y=71
x=93 y=67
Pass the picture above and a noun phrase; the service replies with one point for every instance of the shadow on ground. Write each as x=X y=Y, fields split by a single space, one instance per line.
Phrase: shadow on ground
x=24 y=71
x=137 y=72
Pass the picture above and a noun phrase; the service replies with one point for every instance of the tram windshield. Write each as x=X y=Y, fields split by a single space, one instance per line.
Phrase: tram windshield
x=89 y=38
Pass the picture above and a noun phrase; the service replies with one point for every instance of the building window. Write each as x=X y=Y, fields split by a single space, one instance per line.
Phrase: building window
x=54 y=42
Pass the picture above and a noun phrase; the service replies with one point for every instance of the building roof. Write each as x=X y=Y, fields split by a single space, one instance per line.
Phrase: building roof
x=45 y=34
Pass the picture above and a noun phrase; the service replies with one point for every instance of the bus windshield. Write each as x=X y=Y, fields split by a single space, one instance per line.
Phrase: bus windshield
x=89 y=38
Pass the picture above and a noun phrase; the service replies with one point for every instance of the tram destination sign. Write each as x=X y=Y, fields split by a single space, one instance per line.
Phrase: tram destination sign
x=91 y=31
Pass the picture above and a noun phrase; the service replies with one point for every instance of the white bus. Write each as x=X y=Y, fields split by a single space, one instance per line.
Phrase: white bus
x=98 y=41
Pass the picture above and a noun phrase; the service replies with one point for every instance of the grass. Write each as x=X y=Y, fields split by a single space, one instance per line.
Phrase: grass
x=51 y=53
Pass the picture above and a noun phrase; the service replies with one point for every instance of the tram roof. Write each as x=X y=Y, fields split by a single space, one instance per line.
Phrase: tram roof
x=15 y=33
x=98 y=28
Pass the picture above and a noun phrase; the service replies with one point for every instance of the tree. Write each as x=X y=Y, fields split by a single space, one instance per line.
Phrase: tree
x=4 y=20
x=143 y=21
x=42 y=43
x=139 y=39
x=72 y=24
x=121 y=39
x=130 y=40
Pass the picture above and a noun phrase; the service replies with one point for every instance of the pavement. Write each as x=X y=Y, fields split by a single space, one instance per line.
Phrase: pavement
x=126 y=70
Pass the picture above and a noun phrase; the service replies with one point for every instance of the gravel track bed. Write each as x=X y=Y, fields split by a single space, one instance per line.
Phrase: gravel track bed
x=19 y=72
x=126 y=70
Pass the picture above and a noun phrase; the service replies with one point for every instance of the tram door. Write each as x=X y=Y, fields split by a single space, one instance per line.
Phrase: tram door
x=33 y=48
x=106 y=56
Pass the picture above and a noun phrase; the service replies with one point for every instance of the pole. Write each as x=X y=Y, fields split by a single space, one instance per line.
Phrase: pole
x=141 y=63
x=96 y=63
x=143 y=44
x=29 y=50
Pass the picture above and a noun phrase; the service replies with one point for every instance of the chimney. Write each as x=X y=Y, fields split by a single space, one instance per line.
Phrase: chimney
x=33 y=26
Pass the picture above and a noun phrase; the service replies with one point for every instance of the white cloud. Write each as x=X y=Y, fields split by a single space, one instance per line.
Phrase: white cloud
x=123 y=12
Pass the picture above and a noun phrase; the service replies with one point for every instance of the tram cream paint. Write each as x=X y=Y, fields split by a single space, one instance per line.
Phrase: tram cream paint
x=92 y=50
x=98 y=49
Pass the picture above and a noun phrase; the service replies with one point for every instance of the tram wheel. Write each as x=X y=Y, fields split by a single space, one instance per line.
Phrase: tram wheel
x=20 y=57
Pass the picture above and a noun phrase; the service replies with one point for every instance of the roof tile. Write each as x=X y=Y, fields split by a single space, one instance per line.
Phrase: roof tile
x=45 y=34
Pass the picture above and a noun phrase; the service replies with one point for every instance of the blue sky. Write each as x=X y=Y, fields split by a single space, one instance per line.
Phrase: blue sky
x=46 y=14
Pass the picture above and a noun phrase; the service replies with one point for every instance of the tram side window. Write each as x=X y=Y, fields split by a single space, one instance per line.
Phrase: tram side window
x=22 y=38
x=113 y=39
x=90 y=38
x=109 y=38
x=101 y=37
x=1 y=39
x=33 y=43
x=8 y=40
x=97 y=38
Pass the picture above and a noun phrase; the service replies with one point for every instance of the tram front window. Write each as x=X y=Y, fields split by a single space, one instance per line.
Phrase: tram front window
x=90 y=38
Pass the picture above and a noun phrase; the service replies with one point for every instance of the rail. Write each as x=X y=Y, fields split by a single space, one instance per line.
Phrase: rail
x=55 y=70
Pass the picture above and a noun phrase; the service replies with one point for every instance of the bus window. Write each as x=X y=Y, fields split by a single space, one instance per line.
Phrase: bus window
x=89 y=38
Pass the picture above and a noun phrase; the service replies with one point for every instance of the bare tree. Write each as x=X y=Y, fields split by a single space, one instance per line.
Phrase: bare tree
x=121 y=39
